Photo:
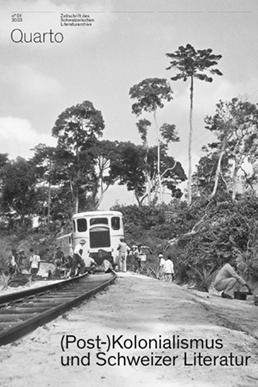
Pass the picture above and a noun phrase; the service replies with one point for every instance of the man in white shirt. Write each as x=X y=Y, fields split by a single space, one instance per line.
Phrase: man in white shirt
x=169 y=269
x=123 y=252
x=34 y=262
x=77 y=258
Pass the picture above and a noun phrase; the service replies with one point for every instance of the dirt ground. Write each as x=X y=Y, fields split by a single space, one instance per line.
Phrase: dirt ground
x=159 y=334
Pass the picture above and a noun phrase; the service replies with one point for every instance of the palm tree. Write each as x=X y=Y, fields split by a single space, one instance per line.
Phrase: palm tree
x=192 y=64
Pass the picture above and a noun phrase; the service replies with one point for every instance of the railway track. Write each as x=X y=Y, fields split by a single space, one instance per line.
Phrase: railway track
x=22 y=312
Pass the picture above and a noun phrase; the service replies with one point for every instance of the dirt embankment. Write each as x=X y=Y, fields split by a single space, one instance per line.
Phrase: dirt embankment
x=159 y=335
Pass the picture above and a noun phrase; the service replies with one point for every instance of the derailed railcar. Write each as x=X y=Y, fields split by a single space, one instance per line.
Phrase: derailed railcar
x=102 y=231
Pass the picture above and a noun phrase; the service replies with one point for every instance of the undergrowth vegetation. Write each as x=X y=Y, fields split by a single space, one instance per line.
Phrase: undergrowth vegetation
x=199 y=238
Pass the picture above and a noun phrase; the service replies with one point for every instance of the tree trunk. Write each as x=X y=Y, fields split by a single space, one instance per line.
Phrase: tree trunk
x=234 y=180
x=49 y=192
x=147 y=177
x=139 y=200
x=158 y=156
x=237 y=163
x=49 y=201
x=190 y=145
x=76 y=203
x=216 y=181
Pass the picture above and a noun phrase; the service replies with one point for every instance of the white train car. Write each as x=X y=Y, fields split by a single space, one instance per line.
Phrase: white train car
x=102 y=231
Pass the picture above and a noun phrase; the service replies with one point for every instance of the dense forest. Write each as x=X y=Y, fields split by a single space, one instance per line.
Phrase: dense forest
x=215 y=217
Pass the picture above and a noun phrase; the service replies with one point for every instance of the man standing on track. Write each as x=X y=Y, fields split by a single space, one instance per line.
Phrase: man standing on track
x=77 y=258
x=123 y=251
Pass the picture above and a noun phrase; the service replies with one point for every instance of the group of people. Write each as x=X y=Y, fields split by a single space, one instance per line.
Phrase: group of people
x=227 y=280
x=166 y=268
x=136 y=252
x=17 y=262
x=80 y=266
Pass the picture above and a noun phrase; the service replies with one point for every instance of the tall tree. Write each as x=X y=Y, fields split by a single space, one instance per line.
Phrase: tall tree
x=236 y=126
x=192 y=64
x=77 y=130
x=105 y=154
x=19 y=188
x=206 y=173
x=130 y=168
x=153 y=180
x=149 y=96
x=44 y=161
x=143 y=126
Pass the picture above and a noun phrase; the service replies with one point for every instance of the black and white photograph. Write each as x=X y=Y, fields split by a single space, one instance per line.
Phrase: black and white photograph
x=129 y=193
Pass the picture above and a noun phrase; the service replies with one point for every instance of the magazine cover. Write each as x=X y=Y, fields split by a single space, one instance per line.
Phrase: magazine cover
x=128 y=193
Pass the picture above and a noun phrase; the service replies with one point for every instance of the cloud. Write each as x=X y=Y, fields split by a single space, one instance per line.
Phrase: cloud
x=17 y=137
x=26 y=79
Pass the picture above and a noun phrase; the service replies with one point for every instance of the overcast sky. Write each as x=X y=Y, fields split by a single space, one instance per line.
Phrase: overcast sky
x=125 y=44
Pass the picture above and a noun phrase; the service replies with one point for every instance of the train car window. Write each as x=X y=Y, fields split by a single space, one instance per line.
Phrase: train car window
x=98 y=221
x=99 y=237
x=81 y=225
x=115 y=223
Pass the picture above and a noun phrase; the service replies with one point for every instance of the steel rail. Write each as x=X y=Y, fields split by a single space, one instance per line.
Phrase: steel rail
x=6 y=298
x=23 y=314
